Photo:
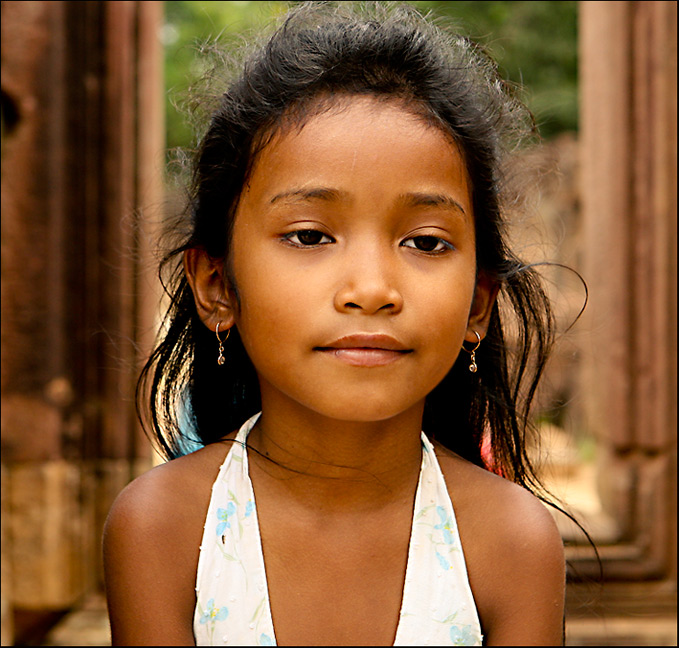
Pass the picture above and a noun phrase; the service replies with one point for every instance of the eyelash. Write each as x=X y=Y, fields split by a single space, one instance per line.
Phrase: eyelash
x=299 y=244
x=441 y=246
x=440 y=243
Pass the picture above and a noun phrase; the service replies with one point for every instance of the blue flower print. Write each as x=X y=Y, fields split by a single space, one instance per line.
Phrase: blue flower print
x=249 y=508
x=445 y=525
x=265 y=640
x=223 y=515
x=462 y=635
x=214 y=613
x=442 y=561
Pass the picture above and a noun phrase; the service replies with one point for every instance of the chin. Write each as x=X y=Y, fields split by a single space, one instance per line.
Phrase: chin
x=364 y=409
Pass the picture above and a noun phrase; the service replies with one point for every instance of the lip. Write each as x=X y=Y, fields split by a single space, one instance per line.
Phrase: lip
x=365 y=349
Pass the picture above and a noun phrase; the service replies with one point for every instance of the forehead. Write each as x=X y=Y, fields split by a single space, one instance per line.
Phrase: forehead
x=360 y=144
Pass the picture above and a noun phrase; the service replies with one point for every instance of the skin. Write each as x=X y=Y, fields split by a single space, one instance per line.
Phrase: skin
x=360 y=222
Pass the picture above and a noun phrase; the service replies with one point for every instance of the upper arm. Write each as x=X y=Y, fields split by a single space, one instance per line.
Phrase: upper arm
x=149 y=568
x=525 y=585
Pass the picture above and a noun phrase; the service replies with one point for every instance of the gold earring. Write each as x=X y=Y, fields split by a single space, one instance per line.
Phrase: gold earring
x=472 y=365
x=221 y=359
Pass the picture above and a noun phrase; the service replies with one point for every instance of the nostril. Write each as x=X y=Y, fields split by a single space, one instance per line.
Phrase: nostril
x=389 y=306
x=10 y=113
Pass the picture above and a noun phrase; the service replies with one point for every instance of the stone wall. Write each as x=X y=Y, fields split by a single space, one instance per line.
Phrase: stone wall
x=82 y=155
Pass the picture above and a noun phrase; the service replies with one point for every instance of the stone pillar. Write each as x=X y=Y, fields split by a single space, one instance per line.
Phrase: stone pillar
x=628 y=135
x=82 y=153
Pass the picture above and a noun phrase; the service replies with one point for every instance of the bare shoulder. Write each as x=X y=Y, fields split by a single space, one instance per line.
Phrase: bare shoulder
x=168 y=499
x=151 y=546
x=483 y=498
x=514 y=554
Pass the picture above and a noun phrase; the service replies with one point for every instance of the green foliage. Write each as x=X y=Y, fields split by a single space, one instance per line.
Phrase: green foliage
x=188 y=26
x=534 y=42
x=535 y=45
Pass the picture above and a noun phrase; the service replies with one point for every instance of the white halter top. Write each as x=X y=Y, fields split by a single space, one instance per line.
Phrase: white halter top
x=232 y=599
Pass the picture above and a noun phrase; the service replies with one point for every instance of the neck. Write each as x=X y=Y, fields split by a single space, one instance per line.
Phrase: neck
x=329 y=464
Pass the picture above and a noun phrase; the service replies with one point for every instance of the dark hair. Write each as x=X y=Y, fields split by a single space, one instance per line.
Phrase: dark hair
x=387 y=50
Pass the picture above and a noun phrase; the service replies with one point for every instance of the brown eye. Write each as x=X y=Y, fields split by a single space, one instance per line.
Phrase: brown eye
x=426 y=243
x=429 y=244
x=308 y=238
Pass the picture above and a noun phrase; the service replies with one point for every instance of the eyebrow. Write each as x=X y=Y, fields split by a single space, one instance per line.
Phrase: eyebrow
x=313 y=193
x=411 y=199
x=418 y=199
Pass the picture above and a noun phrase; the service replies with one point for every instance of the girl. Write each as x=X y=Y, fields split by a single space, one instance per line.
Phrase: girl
x=345 y=245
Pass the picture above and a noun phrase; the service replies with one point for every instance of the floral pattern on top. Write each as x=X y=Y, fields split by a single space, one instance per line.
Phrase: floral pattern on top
x=232 y=601
x=462 y=635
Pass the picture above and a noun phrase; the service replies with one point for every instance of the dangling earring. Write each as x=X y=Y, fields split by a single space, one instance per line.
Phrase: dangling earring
x=221 y=359
x=472 y=365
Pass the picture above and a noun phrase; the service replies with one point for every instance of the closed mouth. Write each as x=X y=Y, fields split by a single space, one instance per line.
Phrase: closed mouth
x=366 y=350
x=366 y=341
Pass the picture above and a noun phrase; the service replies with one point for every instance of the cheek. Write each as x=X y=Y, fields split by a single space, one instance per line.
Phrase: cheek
x=445 y=311
x=271 y=305
x=260 y=313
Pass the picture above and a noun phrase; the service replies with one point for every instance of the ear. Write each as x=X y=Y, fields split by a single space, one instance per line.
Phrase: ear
x=214 y=299
x=485 y=295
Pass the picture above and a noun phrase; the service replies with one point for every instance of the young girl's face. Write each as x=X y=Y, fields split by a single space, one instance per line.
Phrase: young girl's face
x=353 y=253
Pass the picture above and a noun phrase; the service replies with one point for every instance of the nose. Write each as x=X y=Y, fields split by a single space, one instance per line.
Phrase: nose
x=369 y=284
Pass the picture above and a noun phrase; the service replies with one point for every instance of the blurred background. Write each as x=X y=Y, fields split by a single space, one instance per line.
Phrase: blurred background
x=94 y=110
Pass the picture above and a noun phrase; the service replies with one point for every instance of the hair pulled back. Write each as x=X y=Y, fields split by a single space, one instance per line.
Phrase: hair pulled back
x=320 y=52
